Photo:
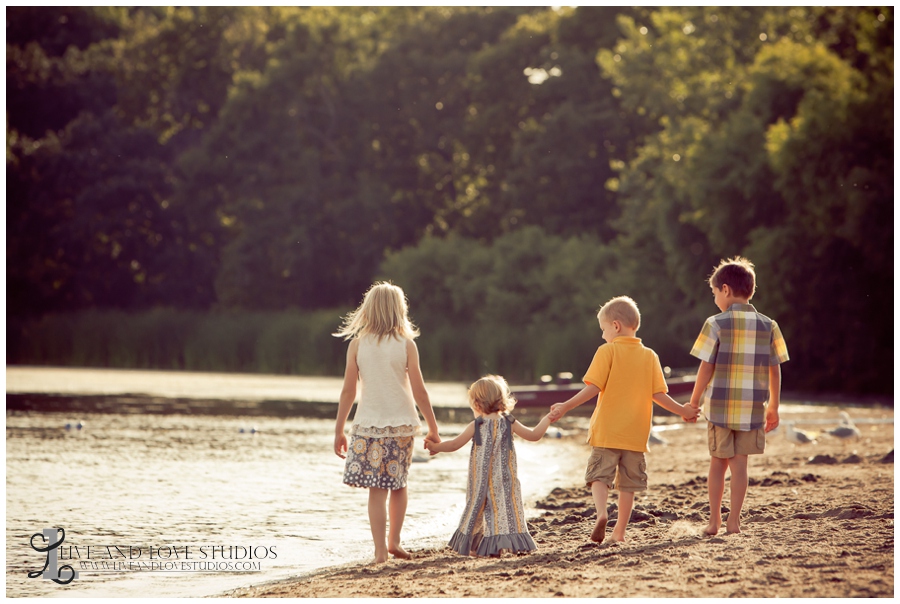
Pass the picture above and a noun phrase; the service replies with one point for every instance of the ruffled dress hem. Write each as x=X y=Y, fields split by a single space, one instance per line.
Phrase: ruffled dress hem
x=490 y=546
x=385 y=432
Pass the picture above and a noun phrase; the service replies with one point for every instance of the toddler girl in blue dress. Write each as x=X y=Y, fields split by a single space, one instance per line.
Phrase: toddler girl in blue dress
x=494 y=518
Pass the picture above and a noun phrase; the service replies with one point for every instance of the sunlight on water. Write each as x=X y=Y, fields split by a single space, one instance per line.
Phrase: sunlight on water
x=222 y=386
x=170 y=480
x=140 y=479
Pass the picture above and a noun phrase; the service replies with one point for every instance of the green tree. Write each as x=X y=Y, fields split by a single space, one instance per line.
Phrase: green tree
x=832 y=161
x=415 y=105
x=765 y=168
x=275 y=183
x=89 y=223
x=542 y=127
x=175 y=65
x=55 y=66
x=521 y=306
x=101 y=101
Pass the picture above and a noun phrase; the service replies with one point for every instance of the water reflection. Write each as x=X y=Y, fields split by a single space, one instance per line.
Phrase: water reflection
x=139 y=479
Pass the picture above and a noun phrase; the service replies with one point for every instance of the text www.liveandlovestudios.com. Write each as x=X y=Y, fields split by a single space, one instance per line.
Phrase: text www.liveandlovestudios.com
x=64 y=563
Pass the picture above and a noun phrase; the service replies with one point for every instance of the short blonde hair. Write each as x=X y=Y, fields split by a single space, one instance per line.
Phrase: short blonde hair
x=490 y=394
x=383 y=312
x=622 y=309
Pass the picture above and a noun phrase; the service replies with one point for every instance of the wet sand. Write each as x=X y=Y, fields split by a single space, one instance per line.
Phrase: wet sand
x=818 y=522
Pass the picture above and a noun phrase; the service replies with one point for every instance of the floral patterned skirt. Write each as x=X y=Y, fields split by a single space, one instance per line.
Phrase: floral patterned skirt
x=377 y=461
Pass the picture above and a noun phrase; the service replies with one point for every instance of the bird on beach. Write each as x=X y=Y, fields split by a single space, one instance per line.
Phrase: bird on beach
x=847 y=429
x=798 y=437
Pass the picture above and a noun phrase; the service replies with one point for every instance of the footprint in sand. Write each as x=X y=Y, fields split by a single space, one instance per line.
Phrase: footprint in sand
x=854 y=510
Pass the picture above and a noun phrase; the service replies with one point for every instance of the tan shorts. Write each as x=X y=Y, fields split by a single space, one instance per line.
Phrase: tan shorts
x=623 y=470
x=725 y=442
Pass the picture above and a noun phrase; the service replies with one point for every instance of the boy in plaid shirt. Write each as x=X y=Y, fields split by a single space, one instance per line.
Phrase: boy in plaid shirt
x=738 y=384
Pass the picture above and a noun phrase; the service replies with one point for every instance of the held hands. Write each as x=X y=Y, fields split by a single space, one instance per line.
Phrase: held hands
x=433 y=437
x=431 y=446
x=557 y=410
x=689 y=413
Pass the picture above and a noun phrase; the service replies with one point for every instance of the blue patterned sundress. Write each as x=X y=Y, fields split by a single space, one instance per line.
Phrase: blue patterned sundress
x=494 y=518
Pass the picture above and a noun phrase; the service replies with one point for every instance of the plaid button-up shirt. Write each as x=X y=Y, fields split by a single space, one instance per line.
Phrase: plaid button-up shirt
x=742 y=344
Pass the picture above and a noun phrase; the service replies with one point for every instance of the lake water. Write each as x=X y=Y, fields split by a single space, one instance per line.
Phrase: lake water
x=180 y=488
x=198 y=385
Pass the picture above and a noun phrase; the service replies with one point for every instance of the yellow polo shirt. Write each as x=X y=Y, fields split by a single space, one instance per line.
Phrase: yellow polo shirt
x=628 y=374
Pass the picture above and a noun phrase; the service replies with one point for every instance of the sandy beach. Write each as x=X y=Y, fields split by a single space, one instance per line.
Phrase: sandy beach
x=818 y=522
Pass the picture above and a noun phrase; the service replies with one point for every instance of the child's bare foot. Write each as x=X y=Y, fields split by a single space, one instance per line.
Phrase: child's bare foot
x=599 y=532
x=733 y=527
x=399 y=552
x=712 y=528
x=618 y=537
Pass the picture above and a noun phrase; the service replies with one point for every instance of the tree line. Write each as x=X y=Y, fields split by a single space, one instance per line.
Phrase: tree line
x=511 y=168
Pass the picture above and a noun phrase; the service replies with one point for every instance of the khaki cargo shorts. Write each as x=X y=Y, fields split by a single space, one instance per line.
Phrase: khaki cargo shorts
x=617 y=468
x=725 y=442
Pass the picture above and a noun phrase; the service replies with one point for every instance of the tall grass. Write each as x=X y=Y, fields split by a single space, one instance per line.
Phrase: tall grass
x=289 y=342
x=284 y=342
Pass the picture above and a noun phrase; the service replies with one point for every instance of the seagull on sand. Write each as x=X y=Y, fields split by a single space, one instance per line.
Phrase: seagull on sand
x=798 y=437
x=846 y=429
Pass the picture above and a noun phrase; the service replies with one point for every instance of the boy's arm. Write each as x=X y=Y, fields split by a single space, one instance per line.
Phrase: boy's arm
x=448 y=446
x=704 y=374
x=584 y=395
x=532 y=434
x=669 y=404
x=420 y=394
x=772 y=419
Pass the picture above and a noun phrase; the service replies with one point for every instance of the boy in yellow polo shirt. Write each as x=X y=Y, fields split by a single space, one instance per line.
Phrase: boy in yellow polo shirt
x=627 y=379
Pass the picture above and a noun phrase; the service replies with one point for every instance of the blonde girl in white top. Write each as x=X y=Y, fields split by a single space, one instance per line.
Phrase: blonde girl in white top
x=383 y=359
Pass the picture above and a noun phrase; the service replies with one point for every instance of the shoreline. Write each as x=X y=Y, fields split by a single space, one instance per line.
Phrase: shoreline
x=48 y=402
x=817 y=522
x=272 y=389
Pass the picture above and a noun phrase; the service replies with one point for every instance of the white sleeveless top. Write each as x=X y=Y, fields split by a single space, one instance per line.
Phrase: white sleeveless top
x=386 y=405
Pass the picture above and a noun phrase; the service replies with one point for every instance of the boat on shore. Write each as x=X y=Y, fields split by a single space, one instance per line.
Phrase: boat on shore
x=548 y=392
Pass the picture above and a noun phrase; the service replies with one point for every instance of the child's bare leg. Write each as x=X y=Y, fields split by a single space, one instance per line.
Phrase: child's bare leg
x=600 y=491
x=397 y=510
x=378 y=521
x=716 y=484
x=740 y=481
x=626 y=503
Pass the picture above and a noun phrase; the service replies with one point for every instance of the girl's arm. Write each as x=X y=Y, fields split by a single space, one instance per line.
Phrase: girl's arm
x=449 y=446
x=584 y=395
x=532 y=434
x=420 y=394
x=348 y=395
